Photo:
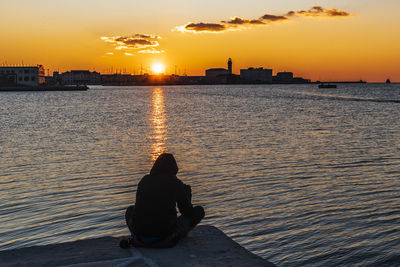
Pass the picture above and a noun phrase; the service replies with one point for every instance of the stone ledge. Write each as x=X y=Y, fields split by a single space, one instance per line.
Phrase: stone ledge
x=204 y=246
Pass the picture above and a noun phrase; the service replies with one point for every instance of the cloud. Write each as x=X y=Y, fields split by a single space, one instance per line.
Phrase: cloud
x=318 y=11
x=240 y=21
x=151 y=51
x=138 y=42
x=132 y=42
x=235 y=22
x=231 y=24
x=146 y=36
x=202 y=27
x=269 y=17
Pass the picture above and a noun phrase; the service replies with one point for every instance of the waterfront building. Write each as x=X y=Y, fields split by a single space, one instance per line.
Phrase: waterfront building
x=218 y=72
x=123 y=79
x=284 y=77
x=301 y=80
x=78 y=77
x=215 y=72
x=22 y=75
x=256 y=75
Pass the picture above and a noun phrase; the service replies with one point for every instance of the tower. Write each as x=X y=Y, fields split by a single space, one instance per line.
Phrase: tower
x=230 y=66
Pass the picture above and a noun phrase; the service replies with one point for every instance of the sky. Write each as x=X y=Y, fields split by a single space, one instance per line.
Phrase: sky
x=319 y=39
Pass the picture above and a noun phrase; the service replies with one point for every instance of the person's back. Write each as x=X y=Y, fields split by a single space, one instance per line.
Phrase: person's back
x=154 y=216
x=155 y=206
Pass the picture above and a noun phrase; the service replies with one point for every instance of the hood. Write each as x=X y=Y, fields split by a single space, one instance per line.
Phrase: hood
x=165 y=163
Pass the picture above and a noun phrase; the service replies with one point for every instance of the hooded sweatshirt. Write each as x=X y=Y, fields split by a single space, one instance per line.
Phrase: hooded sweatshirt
x=156 y=198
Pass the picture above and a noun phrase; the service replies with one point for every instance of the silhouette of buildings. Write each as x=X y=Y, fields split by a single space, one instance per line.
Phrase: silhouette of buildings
x=212 y=76
x=221 y=75
x=22 y=75
x=122 y=79
x=249 y=76
x=284 y=77
x=216 y=72
x=77 y=77
x=256 y=75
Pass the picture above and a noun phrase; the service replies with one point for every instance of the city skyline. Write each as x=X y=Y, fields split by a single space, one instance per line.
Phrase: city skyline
x=320 y=40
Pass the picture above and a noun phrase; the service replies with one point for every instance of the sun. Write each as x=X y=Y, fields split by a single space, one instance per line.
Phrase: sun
x=158 y=68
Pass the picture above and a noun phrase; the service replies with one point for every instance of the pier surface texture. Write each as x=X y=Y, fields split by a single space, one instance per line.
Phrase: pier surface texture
x=204 y=246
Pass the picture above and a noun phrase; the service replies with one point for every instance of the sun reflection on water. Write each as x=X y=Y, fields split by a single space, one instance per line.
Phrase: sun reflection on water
x=158 y=119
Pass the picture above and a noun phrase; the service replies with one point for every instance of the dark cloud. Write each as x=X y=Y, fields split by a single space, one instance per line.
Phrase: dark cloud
x=240 y=21
x=235 y=22
x=256 y=22
x=134 y=42
x=205 y=27
x=291 y=13
x=318 y=11
x=139 y=42
x=146 y=36
x=336 y=13
x=269 y=17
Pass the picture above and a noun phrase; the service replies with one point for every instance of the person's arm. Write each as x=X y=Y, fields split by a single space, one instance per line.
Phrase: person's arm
x=184 y=196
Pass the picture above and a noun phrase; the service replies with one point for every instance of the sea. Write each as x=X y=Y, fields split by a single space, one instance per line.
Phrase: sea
x=298 y=175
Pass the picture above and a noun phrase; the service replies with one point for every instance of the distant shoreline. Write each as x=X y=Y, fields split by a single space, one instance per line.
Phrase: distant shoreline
x=44 y=88
x=85 y=87
x=254 y=83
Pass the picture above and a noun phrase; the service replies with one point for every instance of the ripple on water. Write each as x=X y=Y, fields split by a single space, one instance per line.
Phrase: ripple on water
x=299 y=176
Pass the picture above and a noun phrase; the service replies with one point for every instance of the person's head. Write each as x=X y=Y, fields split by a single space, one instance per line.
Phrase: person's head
x=165 y=163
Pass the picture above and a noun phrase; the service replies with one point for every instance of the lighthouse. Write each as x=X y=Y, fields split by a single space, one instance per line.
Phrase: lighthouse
x=230 y=66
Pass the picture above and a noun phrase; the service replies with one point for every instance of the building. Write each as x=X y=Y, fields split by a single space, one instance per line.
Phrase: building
x=256 y=75
x=284 y=77
x=78 y=77
x=230 y=66
x=123 y=79
x=218 y=72
x=214 y=73
x=22 y=75
x=301 y=80
x=7 y=79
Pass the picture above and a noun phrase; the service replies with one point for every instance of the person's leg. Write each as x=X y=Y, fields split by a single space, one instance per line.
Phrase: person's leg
x=182 y=228
x=197 y=216
x=185 y=224
x=130 y=218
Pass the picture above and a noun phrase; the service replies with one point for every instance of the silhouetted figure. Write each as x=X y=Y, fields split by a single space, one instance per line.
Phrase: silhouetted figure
x=153 y=221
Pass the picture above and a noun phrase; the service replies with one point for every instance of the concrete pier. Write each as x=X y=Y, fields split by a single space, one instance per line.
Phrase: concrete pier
x=204 y=246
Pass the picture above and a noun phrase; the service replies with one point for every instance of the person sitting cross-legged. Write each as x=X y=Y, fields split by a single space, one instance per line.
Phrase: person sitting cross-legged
x=153 y=220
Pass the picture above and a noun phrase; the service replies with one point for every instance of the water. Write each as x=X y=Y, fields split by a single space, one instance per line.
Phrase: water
x=296 y=174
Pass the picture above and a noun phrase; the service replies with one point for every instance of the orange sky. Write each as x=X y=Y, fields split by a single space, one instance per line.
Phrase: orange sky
x=319 y=43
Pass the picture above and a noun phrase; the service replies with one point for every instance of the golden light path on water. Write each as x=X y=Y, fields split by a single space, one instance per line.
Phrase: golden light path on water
x=158 y=120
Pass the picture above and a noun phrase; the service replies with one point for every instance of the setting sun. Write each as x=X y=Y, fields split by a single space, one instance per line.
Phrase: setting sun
x=158 y=68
